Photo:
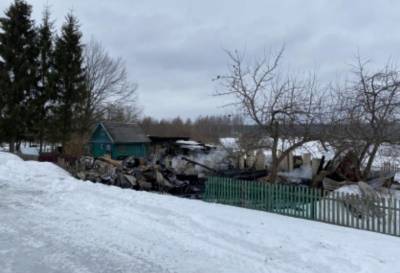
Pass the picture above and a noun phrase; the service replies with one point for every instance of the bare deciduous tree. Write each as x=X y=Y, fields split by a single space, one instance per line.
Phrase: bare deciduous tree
x=108 y=83
x=367 y=114
x=284 y=109
x=121 y=113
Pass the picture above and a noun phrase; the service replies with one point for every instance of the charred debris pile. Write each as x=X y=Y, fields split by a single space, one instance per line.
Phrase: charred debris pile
x=180 y=166
x=177 y=166
x=139 y=174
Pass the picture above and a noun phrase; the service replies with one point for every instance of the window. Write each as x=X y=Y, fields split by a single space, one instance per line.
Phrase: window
x=106 y=147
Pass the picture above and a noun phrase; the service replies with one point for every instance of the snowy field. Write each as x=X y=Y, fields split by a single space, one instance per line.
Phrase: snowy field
x=51 y=222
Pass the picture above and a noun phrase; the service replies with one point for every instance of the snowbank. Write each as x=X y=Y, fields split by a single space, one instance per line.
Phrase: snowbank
x=383 y=192
x=51 y=222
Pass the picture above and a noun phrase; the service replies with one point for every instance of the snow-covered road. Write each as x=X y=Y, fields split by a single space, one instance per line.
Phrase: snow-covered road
x=50 y=222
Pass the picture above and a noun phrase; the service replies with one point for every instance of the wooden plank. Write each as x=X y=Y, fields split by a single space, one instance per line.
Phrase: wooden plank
x=342 y=212
x=248 y=194
x=287 y=200
x=358 y=200
x=337 y=204
x=395 y=225
x=221 y=189
x=302 y=201
x=238 y=193
x=313 y=204
x=348 y=215
x=379 y=227
x=272 y=197
x=384 y=209
x=216 y=189
x=264 y=196
x=252 y=194
x=278 y=198
x=228 y=184
x=293 y=200
x=227 y=189
x=213 y=189
x=390 y=216
x=223 y=193
x=299 y=201
x=397 y=219
x=319 y=205
x=324 y=206
x=232 y=185
x=352 y=199
x=307 y=193
x=368 y=213
x=329 y=207
x=374 y=224
x=279 y=194
x=262 y=199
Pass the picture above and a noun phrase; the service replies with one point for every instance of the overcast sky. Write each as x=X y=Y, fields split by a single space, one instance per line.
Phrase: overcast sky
x=173 y=49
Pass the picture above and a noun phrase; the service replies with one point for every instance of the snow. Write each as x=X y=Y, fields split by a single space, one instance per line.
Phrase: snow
x=316 y=150
x=229 y=143
x=51 y=222
x=383 y=192
x=187 y=142
x=313 y=147
x=387 y=154
x=28 y=150
x=3 y=148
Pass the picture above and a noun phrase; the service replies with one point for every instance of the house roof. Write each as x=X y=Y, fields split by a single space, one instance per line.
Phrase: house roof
x=125 y=132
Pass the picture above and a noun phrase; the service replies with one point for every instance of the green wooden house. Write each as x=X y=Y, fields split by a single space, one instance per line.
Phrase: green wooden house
x=119 y=140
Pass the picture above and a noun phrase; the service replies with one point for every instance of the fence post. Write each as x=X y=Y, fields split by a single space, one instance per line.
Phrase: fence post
x=313 y=203
x=394 y=211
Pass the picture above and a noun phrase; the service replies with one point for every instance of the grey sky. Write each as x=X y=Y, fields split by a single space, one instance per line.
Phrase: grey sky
x=174 y=48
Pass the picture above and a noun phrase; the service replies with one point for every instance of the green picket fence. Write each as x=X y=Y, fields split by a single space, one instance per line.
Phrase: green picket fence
x=350 y=210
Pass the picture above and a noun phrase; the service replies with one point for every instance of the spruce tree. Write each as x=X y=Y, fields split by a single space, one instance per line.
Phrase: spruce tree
x=69 y=75
x=45 y=91
x=18 y=56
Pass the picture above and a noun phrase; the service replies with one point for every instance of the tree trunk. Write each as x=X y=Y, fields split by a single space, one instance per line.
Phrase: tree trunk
x=364 y=152
x=371 y=158
x=275 y=164
x=41 y=129
x=40 y=144
x=12 y=146
x=361 y=159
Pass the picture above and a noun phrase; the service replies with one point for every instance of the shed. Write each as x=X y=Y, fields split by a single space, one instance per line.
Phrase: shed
x=119 y=140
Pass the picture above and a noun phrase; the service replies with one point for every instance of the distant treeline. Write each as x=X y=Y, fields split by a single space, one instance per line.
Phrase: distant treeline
x=206 y=129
